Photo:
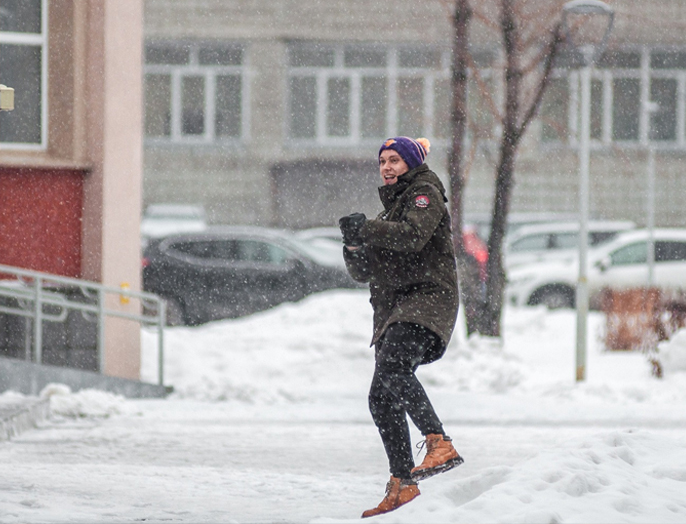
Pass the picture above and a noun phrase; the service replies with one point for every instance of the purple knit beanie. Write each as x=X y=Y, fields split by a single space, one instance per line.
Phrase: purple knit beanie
x=412 y=151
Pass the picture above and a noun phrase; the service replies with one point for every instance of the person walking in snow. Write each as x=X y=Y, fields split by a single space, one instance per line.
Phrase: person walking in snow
x=406 y=255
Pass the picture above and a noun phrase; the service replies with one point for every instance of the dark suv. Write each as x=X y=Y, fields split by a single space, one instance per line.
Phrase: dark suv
x=229 y=272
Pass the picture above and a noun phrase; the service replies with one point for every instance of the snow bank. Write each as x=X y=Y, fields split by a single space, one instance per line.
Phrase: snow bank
x=479 y=364
x=9 y=397
x=84 y=403
x=295 y=352
x=319 y=348
x=616 y=476
x=298 y=352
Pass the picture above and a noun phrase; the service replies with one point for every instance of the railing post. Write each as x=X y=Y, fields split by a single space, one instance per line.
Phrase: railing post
x=38 y=321
x=161 y=322
x=101 y=330
x=28 y=344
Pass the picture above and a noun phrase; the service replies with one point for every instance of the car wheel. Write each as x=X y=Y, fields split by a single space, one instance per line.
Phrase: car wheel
x=554 y=297
x=175 y=313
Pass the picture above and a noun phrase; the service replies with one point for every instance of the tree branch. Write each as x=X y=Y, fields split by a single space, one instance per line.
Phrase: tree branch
x=543 y=21
x=553 y=49
x=485 y=19
x=483 y=89
x=536 y=61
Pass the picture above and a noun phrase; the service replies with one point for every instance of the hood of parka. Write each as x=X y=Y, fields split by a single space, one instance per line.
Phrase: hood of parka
x=389 y=194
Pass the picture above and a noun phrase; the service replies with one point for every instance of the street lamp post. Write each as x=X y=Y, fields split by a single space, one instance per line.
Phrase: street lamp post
x=651 y=108
x=650 y=216
x=590 y=52
x=582 y=301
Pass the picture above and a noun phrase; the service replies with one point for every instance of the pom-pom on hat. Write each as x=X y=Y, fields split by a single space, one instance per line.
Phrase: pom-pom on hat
x=412 y=151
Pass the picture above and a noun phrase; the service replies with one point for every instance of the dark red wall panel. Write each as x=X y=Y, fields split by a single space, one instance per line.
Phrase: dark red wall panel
x=40 y=219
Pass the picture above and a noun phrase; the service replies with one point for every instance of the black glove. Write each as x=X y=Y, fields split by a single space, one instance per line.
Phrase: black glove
x=350 y=227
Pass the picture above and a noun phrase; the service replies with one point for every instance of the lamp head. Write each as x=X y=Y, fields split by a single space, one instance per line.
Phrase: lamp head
x=587 y=25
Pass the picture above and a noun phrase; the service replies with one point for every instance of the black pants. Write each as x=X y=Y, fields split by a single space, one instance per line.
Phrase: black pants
x=396 y=391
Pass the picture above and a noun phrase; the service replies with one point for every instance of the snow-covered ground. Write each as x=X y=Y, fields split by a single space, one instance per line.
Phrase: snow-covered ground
x=269 y=423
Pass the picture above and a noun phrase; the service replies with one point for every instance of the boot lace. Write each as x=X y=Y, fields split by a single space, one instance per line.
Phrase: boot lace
x=420 y=446
x=389 y=484
x=429 y=444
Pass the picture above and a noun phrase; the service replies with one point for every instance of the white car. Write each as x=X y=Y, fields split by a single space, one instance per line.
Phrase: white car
x=619 y=264
x=324 y=243
x=515 y=221
x=332 y=234
x=535 y=243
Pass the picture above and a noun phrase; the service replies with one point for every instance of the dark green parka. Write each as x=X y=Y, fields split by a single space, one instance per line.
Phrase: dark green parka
x=408 y=256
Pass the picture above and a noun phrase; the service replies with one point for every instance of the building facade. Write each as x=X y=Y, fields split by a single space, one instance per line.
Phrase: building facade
x=70 y=152
x=271 y=112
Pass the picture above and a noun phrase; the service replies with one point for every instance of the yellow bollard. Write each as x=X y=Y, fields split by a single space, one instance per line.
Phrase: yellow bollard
x=123 y=299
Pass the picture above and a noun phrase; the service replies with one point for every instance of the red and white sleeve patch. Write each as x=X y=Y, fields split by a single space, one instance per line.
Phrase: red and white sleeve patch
x=421 y=201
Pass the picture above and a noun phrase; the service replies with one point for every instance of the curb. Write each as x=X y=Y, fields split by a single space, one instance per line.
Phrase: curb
x=30 y=378
x=21 y=415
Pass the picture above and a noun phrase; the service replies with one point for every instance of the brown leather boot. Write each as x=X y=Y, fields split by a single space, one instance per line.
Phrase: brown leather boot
x=440 y=456
x=398 y=492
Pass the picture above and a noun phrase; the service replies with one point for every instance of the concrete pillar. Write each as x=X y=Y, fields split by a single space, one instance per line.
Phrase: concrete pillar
x=112 y=98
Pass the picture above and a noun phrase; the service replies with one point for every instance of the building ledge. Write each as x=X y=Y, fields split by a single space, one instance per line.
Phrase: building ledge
x=41 y=162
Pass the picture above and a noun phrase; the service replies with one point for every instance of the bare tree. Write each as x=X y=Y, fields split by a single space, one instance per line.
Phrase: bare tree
x=469 y=278
x=526 y=63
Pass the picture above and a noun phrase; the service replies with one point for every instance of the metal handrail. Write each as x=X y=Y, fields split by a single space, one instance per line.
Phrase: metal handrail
x=31 y=290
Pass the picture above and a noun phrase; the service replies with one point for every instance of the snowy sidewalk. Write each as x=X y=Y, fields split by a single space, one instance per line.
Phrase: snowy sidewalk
x=189 y=461
x=270 y=424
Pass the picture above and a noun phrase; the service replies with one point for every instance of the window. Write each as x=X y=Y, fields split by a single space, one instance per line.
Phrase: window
x=220 y=250
x=198 y=249
x=554 y=111
x=256 y=251
x=195 y=92
x=626 y=105
x=666 y=251
x=623 y=81
x=344 y=94
x=565 y=241
x=531 y=243
x=663 y=122
x=23 y=66
x=632 y=254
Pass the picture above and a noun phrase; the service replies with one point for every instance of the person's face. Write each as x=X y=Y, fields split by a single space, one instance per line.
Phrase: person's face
x=391 y=166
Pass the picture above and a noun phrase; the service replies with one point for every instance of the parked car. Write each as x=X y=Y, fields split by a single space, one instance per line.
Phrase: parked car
x=332 y=234
x=325 y=243
x=227 y=272
x=619 y=264
x=535 y=243
x=482 y=221
x=160 y=220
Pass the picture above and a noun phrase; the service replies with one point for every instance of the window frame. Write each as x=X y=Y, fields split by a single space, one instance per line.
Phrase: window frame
x=209 y=73
x=33 y=39
x=644 y=74
x=391 y=71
